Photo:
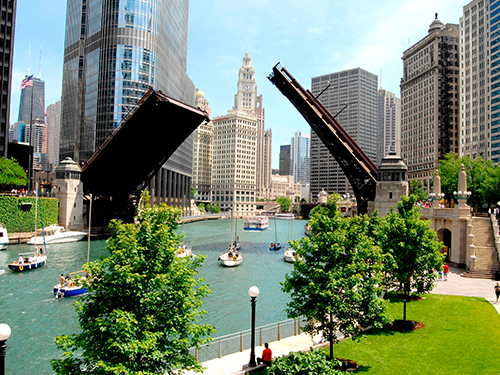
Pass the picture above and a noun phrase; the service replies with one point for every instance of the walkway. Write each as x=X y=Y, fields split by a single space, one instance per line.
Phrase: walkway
x=459 y=286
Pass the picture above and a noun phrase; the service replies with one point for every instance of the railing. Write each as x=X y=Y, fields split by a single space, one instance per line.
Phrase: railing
x=237 y=342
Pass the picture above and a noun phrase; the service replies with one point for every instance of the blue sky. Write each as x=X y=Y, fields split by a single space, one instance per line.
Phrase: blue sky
x=309 y=38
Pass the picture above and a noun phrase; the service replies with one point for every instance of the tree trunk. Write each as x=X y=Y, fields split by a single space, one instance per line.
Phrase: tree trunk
x=330 y=338
x=405 y=289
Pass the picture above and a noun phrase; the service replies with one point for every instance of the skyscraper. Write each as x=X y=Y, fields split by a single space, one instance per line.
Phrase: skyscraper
x=202 y=152
x=114 y=52
x=494 y=34
x=300 y=155
x=32 y=102
x=388 y=125
x=475 y=122
x=285 y=159
x=353 y=93
x=7 y=26
x=429 y=101
x=53 y=130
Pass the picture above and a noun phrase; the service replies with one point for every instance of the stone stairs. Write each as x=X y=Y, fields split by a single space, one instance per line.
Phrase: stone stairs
x=487 y=263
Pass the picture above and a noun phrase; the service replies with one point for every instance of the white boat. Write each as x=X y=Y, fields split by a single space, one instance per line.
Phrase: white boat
x=57 y=234
x=4 y=237
x=231 y=258
x=284 y=216
x=256 y=223
x=290 y=255
x=184 y=251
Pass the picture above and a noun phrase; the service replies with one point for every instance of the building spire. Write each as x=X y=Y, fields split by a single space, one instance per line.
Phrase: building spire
x=40 y=64
x=29 y=58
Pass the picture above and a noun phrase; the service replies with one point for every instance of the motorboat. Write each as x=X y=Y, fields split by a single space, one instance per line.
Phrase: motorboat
x=290 y=255
x=284 y=216
x=256 y=223
x=28 y=261
x=183 y=251
x=231 y=258
x=69 y=287
x=57 y=234
x=4 y=237
x=307 y=229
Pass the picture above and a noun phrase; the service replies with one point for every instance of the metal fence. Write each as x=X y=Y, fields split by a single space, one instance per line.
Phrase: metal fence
x=237 y=342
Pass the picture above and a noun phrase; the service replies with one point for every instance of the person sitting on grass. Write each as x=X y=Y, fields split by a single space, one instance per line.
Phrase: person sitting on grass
x=266 y=355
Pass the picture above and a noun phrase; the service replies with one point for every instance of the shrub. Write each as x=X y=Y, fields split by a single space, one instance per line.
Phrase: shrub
x=304 y=363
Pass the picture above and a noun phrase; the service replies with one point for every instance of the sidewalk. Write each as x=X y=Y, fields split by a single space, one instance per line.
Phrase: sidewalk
x=456 y=285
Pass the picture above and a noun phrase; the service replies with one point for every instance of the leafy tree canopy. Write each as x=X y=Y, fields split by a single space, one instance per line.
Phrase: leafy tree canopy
x=11 y=173
x=201 y=207
x=417 y=189
x=304 y=363
x=285 y=203
x=336 y=283
x=215 y=209
x=140 y=313
x=412 y=248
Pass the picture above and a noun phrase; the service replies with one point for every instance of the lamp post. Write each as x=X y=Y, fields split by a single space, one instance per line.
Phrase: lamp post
x=253 y=292
x=4 y=335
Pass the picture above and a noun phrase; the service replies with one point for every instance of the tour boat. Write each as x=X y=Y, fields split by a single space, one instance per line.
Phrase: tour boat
x=231 y=258
x=4 y=237
x=69 y=287
x=284 y=216
x=57 y=234
x=256 y=223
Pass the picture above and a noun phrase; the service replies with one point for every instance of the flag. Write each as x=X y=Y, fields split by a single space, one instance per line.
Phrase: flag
x=27 y=82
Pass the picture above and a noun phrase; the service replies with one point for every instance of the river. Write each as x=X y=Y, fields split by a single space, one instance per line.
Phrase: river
x=28 y=306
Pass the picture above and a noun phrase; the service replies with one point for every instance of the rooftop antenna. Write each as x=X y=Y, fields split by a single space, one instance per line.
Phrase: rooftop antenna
x=29 y=58
x=40 y=64
x=380 y=79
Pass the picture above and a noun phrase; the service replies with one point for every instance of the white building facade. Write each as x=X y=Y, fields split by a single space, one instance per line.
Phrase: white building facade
x=202 y=152
x=300 y=156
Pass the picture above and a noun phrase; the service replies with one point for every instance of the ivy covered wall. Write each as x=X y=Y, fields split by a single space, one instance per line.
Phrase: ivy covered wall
x=16 y=220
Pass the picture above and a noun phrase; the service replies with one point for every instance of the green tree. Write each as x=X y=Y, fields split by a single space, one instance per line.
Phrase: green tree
x=193 y=192
x=417 y=189
x=140 y=313
x=11 y=173
x=412 y=248
x=201 y=207
x=215 y=209
x=285 y=203
x=336 y=283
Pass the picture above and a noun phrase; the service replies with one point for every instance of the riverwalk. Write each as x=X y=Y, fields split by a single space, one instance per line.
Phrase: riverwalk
x=455 y=285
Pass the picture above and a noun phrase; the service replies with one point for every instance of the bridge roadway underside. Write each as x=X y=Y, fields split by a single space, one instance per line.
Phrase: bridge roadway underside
x=129 y=158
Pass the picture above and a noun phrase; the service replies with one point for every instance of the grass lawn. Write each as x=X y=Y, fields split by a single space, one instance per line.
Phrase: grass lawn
x=461 y=336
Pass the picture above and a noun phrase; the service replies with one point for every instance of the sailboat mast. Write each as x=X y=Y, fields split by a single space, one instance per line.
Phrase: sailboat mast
x=90 y=221
x=232 y=225
x=36 y=208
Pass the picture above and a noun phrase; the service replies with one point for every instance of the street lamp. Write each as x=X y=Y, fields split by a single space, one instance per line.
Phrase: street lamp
x=4 y=335
x=253 y=292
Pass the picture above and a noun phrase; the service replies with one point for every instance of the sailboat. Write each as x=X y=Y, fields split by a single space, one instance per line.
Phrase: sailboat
x=183 y=250
x=67 y=287
x=290 y=255
x=38 y=257
x=231 y=257
x=275 y=245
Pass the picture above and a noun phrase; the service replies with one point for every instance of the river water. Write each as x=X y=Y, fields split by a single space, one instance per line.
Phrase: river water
x=28 y=306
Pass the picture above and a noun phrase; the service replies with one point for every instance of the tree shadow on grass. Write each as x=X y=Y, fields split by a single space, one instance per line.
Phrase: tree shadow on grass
x=362 y=369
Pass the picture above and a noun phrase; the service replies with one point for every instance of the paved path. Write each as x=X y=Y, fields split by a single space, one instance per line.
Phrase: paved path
x=455 y=285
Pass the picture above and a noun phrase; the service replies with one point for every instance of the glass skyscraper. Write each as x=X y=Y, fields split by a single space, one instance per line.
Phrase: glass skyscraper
x=32 y=103
x=115 y=50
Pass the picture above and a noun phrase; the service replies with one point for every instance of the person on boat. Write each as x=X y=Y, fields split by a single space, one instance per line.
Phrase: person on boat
x=272 y=245
x=61 y=279
x=20 y=259
x=230 y=254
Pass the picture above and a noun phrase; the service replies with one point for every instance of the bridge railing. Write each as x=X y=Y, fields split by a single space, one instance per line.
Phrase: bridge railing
x=239 y=341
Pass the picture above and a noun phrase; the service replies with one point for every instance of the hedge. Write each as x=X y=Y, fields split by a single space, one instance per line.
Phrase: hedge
x=16 y=220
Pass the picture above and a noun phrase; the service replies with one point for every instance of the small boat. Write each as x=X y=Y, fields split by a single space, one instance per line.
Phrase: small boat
x=28 y=261
x=256 y=223
x=307 y=229
x=57 y=234
x=275 y=245
x=290 y=255
x=284 y=216
x=231 y=258
x=184 y=251
x=4 y=237
x=67 y=287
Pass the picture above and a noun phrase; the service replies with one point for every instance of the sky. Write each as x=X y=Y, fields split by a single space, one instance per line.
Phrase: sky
x=309 y=38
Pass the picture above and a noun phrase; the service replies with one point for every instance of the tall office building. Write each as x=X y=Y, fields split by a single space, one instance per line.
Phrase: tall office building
x=32 y=102
x=429 y=101
x=285 y=160
x=7 y=26
x=475 y=122
x=267 y=168
x=494 y=28
x=114 y=52
x=202 y=152
x=53 y=131
x=300 y=154
x=388 y=125
x=354 y=93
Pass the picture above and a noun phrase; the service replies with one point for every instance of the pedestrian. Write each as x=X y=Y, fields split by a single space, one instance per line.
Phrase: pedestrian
x=497 y=213
x=267 y=354
x=497 y=292
x=446 y=269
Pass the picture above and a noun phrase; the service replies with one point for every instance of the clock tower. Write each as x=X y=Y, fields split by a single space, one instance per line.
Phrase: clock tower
x=246 y=98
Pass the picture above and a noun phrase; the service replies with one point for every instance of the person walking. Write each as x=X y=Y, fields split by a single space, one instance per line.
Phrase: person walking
x=497 y=292
x=446 y=269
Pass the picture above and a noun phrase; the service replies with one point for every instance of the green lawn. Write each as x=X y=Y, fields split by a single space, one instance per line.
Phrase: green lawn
x=461 y=336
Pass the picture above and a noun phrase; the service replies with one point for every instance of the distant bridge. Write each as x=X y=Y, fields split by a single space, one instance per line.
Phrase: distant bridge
x=357 y=166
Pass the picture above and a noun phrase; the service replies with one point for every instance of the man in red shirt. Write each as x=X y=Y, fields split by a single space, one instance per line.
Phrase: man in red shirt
x=266 y=355
x=446 y=269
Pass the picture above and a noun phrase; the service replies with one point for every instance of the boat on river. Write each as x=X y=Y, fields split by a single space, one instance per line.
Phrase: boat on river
x=57 y=234
x=69 y=287
x=4 y=237
x=284 y=216
x=231 y=258
x=256 y=223
x=290 y=255
x=275 y=245
x=184 y=251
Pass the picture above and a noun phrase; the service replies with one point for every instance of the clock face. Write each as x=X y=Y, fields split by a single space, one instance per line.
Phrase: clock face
x=247 y=86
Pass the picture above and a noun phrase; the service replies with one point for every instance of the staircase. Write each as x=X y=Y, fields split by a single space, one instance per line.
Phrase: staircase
x=487 y=258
